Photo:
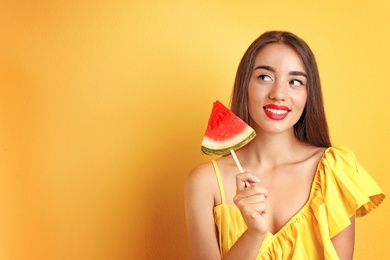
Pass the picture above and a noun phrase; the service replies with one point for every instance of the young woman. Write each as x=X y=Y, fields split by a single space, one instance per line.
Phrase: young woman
x=304 y=194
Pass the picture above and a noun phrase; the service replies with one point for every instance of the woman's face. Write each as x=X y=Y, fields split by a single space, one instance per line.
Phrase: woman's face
x=277 y=91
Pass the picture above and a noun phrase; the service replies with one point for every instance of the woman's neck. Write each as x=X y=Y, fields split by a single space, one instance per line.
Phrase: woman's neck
x=271 y=150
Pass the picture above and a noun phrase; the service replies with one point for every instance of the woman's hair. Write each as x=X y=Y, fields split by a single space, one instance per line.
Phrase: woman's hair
x=312 y=127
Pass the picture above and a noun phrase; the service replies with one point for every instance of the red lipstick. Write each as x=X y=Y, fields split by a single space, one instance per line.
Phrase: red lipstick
x=276 y=112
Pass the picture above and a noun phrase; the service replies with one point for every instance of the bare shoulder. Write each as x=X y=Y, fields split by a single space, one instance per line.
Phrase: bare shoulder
x=312 y=153
x=202 y=181
x=202 y=175
x=200 y=172
x=307 y=158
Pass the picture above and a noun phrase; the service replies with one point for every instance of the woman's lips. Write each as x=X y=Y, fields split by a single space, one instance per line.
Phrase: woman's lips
x=276 y=112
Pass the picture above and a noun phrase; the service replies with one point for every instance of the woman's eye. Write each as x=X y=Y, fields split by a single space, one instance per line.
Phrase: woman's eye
x=265 y=77
x=296 y=83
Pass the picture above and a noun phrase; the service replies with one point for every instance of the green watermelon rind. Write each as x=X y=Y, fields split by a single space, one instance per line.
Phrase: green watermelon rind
x=211 y=147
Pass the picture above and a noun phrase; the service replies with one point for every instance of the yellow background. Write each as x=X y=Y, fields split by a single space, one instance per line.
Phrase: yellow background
x=103 y=105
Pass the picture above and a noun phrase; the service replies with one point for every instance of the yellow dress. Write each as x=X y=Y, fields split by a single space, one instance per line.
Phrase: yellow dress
x=341 y=188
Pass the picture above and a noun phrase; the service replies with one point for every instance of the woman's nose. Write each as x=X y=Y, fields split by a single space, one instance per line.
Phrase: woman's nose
x=278 y=91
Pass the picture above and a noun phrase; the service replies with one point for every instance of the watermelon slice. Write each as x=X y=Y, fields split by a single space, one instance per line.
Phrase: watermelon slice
x=225 y=132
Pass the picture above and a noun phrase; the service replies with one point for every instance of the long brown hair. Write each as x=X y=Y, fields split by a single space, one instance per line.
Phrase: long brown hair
x=312 y=127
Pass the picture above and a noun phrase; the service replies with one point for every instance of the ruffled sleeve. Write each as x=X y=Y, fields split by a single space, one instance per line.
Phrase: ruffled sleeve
x=347 y=188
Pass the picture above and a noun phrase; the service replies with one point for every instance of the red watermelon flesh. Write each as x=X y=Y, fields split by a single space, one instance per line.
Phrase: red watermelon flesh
x=225 y=131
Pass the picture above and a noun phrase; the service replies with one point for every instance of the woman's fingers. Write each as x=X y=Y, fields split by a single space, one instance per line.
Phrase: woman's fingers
x=244 y=180
x=251 y=195
x=255 y=210
x=253 y=189
x=252 y=203
x=255 y=203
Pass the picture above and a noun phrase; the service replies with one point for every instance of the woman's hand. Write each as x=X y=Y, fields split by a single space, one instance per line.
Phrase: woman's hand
x=251 y=201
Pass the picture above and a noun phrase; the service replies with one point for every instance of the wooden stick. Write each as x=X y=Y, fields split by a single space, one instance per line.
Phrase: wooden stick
x=239 y=165
x=237 y=161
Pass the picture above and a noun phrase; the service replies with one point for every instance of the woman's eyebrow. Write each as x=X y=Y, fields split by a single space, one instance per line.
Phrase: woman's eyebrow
x=293 y=73
x=265 y=68
x=298 y=73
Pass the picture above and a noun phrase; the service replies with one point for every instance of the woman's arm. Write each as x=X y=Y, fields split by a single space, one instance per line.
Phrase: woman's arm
x=200 y=188
x=344 y=241
x=199 y=206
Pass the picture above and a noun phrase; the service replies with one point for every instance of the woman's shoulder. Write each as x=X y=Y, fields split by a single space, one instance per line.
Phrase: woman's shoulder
x=339 y=156
x=308 y=154
x=339 y=149
x=201 y=177
x=201 y=185
x=347 y=185
x=201 y=172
